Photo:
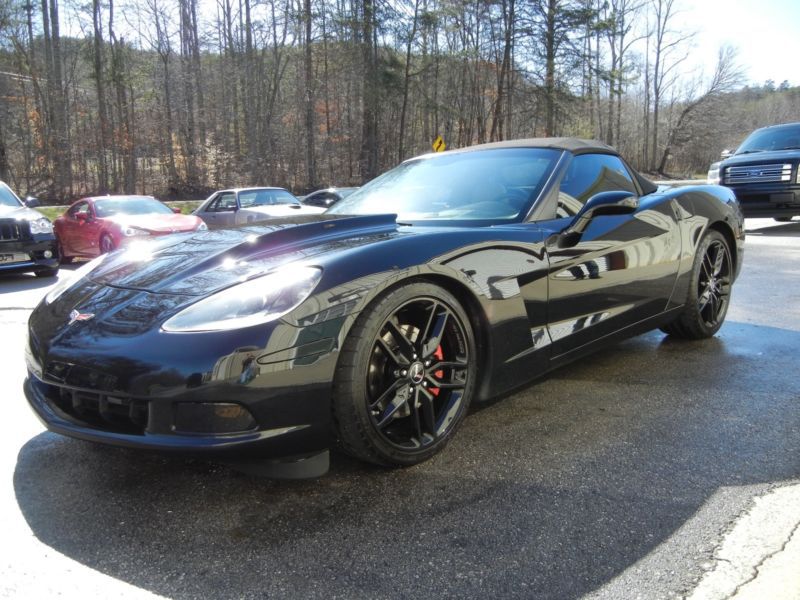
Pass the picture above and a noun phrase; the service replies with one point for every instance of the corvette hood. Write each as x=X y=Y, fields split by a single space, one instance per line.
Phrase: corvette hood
x=200 y=263
x=21 y=213
x=158 y=223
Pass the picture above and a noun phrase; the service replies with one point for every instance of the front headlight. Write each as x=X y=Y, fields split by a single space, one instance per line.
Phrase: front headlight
x=64 y=283
x=256 y=301
x=133 y=231
x=713 y=176
x=42 y=225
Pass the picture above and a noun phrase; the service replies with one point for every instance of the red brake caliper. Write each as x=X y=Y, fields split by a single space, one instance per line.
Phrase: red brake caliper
x=439 y=355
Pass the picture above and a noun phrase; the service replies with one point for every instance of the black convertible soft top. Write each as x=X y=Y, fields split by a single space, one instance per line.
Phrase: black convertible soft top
x=574 y=145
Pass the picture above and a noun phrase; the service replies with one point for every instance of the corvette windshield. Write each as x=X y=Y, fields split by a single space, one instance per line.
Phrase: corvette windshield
x=491 y=185
x=130 y=206
x=786 y=137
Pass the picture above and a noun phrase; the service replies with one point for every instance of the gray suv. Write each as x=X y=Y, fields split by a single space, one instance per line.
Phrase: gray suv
x=27 y=241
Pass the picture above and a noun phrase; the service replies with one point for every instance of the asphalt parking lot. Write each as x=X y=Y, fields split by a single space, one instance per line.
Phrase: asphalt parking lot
x=615 y=477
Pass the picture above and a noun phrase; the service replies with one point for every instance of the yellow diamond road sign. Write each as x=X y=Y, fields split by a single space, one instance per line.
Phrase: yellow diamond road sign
x=439 y=145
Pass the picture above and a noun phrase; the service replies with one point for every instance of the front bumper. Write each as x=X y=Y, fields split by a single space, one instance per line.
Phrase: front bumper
x=35 y=250
x=768 y=200
x=262 y=392
x=158 y=431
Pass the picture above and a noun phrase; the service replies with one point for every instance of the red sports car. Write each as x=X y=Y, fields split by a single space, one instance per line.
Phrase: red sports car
x=94 y=226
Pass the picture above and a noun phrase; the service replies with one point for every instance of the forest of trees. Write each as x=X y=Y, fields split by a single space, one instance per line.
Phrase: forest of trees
x=179 y=97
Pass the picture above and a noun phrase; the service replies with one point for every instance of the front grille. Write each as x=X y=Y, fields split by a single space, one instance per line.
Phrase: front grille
x=12 y=230
x=758 y=174
x=119 y=414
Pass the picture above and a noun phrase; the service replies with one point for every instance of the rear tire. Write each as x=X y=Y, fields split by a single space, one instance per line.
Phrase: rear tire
x=405 y=377
x=709 y=291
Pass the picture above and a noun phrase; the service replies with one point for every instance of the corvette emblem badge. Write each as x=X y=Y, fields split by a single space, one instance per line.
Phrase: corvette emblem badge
x=78 y=316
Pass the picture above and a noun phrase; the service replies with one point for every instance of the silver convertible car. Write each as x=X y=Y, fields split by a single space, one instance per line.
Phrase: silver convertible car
x=239 y=206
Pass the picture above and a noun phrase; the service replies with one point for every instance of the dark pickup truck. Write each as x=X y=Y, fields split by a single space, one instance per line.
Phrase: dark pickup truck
x=764 y=172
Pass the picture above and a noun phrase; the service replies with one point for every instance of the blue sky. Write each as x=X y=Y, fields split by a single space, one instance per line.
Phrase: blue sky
x=766 y=32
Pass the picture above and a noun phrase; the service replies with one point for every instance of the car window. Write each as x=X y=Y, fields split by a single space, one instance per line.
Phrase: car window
x=7 y=197
x=249 y=198
x=224 y=202
x=590 y=174
x=786 y=137
x=131 y=205
x=80 y=207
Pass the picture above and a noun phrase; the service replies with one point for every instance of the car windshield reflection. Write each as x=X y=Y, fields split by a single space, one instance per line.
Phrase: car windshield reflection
x=494 y=185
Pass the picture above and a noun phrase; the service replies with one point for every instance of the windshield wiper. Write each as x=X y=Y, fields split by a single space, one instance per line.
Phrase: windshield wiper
x=790 y=148
x=749 y=152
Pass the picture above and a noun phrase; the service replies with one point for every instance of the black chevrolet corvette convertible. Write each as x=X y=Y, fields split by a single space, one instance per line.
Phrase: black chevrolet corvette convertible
x=447 y=281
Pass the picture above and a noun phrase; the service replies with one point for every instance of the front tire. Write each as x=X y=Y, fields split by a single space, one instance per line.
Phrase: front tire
x=106 y=244
x=406 y=376
x=783 y=219
x=62 y=257
x=46 y=272
x=709 y=290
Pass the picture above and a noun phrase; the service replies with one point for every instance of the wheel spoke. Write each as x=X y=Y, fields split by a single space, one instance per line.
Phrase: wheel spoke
x=397 y=402
x=444 y=385
x=433 y=337
x=448 y=364
x=704 y=299
x=448 y=412
x=403 y=343
x=718 y=260
x=397 y=359
x=389 y=393
x=707 y=267
x=415 y=416
x=428 y=412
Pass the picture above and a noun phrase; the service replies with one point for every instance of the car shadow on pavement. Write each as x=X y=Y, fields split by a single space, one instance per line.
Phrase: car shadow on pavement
x=550 y=493
x=775 y=230
x=18 y=282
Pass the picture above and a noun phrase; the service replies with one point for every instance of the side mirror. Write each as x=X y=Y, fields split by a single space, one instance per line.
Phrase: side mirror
x=32 y=202
x=176 y=210
x=725 y=154
x=82 y=217
x=604 y=203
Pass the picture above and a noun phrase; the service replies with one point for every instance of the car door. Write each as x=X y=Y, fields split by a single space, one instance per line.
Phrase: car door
x=221 y=211
x=620 y=271
x=73 y=238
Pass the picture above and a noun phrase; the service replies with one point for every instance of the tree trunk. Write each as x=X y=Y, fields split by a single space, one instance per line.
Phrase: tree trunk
x=102 y=111
x=311 y=169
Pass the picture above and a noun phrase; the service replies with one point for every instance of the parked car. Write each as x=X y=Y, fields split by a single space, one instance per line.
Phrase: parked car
x=27 y=242
x=500 y=263
x=764 y=172
x=327 y=197
x=100 y=224
x=239 y=206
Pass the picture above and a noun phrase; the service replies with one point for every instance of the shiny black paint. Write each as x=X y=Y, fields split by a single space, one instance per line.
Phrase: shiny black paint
x=536 y=299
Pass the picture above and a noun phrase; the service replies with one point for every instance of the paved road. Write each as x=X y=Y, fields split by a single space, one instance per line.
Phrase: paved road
x=617 y=477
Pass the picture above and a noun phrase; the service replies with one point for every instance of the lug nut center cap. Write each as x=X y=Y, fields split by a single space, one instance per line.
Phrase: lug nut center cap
x=416 y=372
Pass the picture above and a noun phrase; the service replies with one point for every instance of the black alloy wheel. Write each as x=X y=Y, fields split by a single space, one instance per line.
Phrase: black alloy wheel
x=709 y=292
x=406 y=376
